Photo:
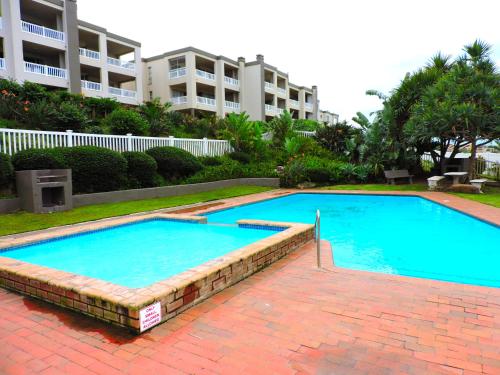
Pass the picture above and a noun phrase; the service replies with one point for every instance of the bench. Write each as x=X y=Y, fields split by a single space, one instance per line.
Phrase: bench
x=479 y=182
x=392 y=175
x=436 y=182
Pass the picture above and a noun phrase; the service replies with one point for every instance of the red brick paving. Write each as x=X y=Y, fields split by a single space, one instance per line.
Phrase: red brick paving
x=289 y=318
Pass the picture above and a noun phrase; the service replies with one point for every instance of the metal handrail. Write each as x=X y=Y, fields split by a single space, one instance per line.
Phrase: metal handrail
x=317 y=233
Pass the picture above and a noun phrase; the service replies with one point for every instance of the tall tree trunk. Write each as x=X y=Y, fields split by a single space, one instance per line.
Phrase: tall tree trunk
x=472 y=160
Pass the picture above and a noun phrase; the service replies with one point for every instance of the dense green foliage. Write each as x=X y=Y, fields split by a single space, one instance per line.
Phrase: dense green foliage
x=124 y=121
x=232 y=169
x=174 y=163
x=141 y=170
x=6 y=171
x=32 y=159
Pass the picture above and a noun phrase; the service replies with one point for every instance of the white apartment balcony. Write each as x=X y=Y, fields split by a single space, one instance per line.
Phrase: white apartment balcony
x=309 y=106
x=176 y=73
x=92 y=86
x=1 y=23
x=281 y=91
x=294 y=103
x=115 y=91
x=206 y=101
x=121 y=64
x=270 y=108
x=279 y=111
x=205 y=75
x=42 y=31
x=2 y=63
x=232 y=105
x=178 y=100
x=268 y=85
x=45 y=70
x=94 y=55
x=231 y=81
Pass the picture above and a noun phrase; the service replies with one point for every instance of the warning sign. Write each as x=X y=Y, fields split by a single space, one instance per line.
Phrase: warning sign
x=150 y=316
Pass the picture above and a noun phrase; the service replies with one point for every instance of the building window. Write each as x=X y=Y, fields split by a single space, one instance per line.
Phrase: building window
x=150 y=76
x=151 y=96
x=177 y=62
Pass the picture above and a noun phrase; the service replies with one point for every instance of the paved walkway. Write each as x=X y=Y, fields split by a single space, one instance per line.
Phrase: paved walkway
x=289 y=318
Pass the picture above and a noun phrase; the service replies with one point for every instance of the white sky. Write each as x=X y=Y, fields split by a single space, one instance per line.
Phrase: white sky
x=344 y=47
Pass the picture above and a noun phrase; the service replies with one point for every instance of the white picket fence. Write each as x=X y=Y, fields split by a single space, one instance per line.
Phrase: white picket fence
x=14 y=140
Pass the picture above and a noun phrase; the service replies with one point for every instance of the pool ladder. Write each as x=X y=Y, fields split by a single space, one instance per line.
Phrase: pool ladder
x=317 y=232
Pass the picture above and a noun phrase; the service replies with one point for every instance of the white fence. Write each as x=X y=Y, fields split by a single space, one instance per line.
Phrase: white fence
x=13 y=140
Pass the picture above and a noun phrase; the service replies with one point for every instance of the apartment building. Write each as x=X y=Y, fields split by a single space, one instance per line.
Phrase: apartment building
x=43 y=41
x=196 y=81
x=328 y=117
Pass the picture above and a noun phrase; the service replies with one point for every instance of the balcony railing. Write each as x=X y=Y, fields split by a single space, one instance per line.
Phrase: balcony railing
x=294 y=103
x=50 y=71
x=232 y=105
x=94 y=55
x=279 y=111
x=122 y=92
x=309 y=106
x=2 y=63
x=178 y=100
x=206 y=101
x=205 y=75
x=42 y=31
x=269 y=85
x=1 y=23
x=122 y=64
x=93 y=86
x=231 y=81
x=270 y=108
x=176 y=73
x=281 y=91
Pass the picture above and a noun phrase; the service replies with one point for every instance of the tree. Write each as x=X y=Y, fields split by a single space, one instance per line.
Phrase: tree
x=124 y=121
x=157 y=115
x=244 y=135
x=461 y=108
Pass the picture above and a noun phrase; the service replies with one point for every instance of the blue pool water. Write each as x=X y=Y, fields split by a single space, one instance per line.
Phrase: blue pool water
x=138 y=254
x=408 y=236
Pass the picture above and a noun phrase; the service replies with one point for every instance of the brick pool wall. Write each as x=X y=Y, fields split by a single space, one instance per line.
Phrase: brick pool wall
x=121 y=306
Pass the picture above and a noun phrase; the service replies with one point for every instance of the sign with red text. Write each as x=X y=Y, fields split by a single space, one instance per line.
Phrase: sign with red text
x=150 y=316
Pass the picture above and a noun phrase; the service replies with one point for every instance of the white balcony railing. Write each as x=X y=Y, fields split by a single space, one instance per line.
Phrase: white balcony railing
x=281 y=91
x=122 y=92
x=232 y=105
x=42 y=31
x=1 y=23
x=122 y=64
x=178 y=100
x=270 y=108
x=2 y=63
x=279 y=111
x=269 y=85
x=50 y=71
x=231 y=81
x=309 y=106
x=205 y=75
x=176 y=73
x=206 y=101
x=294 y=103
x=94 y=55
x=93 y=86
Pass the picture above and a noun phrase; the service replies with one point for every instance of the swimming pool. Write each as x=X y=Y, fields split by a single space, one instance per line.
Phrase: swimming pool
x=138 y=254
x=402 y=235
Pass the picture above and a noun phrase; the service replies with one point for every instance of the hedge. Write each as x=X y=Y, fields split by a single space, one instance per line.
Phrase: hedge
x=231 y=169
x=141 y=170
x=35 y=158
x=174 y=163
x=6 y=170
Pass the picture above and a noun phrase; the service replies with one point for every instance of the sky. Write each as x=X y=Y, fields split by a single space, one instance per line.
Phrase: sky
x=343 y=47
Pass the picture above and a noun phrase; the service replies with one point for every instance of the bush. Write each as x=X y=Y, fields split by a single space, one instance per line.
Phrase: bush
x=241 y=157
x=211 y=161
x=463 y=188
x=6 y=170
x=314 y=169
x=69 y=116
x=35 y=158
x=231 y=169
x=123 y=121
x=141 y=170
x=96 y=169
x=174 y=163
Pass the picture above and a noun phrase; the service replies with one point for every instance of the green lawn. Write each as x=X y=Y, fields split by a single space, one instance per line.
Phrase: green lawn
x=24 y=221
x=491 y=195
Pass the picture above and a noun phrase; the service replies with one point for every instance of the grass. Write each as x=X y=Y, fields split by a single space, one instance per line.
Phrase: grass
x=23 y=221
x=491 y=196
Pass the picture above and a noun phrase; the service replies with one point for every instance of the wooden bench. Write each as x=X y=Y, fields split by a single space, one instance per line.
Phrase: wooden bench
x=392 y=175
x=479 y=182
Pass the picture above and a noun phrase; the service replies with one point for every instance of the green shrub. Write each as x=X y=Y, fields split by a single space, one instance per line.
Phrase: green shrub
x=35 y=158
x=141 y=170
x=231 y=169
x=123 y=121
x=96 y=169
x=314 y=169
x=211 y=161
x=174 y=163
x=69 y=116
x=6 y=170
x=241 y=157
